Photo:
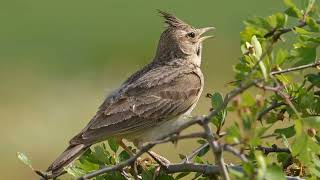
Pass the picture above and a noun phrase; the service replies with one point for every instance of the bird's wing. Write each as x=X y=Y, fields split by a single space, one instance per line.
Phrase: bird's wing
x=159 y=95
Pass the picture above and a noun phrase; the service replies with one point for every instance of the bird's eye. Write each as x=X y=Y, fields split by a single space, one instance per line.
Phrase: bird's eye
x=191 y=34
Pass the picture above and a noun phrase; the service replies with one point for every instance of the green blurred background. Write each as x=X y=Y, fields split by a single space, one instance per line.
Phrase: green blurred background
x=59 y=59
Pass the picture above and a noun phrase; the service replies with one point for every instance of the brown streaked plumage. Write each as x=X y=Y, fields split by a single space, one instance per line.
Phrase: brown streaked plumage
x=151 y=101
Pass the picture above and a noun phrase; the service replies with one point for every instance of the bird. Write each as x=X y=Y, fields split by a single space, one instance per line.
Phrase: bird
x=153 y=100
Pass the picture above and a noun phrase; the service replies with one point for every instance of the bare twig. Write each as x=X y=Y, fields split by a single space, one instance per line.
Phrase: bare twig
x=195 y=153
x=273 y=106
x=217 y=152
x=312 y=65
x=273 y=148
x=276 y=33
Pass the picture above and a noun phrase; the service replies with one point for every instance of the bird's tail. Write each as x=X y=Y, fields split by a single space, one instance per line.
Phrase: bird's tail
x=72 y=152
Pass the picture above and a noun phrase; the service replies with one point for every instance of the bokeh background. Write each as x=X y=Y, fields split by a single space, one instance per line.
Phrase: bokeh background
x=59 y=59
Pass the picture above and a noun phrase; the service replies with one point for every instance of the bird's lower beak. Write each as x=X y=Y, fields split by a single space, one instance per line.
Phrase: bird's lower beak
x=204 y=30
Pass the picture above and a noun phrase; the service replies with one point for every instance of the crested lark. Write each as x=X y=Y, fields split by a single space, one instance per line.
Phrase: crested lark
x=150 y=102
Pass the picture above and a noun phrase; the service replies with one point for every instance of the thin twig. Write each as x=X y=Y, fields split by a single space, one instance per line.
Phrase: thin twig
x=217 y=152
x=276 y=33
x=273 y=148
x=195 y=153
x=312 y=65
x=273 y=106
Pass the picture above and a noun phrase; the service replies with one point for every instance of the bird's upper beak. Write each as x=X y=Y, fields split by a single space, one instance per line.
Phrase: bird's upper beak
x=204 y=30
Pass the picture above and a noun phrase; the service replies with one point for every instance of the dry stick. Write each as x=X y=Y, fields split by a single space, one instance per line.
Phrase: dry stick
x=312 y=65
x=217 y=152
x=273 y=148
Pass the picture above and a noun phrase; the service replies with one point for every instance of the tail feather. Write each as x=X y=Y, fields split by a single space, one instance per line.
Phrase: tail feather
x=71 y=153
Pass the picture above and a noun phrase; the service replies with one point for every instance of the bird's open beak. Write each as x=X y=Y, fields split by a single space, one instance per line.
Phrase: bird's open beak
x=204 y=30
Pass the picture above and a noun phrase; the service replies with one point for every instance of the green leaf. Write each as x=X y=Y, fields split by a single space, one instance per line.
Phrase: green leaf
x=23 y=158
x=74 y=171
x=283 y=157
x=113 y=145
x=164 y=177
x=216 y=100
x=277 y=20
x=299 y=144
x=302 y=31
x=314 y=79
x=203 y=151
x=292 y=10
x=124 y=155
x=201 y=141
x=287 y=132
x=282 y=55
x=304 y=55
x=312 y=121
x=262 y=164
x=274 y=172
x=285 y=141
x=181 y=175
x=313 y=25
x=257 y=47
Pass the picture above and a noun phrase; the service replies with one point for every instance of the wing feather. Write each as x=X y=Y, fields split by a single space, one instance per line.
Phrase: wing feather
x=153 y=98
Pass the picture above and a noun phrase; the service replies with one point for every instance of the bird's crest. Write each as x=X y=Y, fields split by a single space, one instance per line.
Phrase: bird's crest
x=173 y=21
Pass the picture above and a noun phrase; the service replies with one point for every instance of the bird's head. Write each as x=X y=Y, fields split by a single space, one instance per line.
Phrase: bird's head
x=180 y=40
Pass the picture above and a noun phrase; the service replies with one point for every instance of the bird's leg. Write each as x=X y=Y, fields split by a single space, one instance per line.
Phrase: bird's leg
x=162 y=161
x=125 y=147
x=138 y=161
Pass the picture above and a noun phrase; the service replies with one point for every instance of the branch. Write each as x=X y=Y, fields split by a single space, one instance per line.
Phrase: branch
x=276 y=33
x=195 y=153
x=312 y=65
x=201 y=168
x=273 y=148
x=217 y=152
x=273 y=106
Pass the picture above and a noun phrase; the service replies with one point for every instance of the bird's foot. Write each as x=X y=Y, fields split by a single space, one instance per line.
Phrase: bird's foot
x=162 y=161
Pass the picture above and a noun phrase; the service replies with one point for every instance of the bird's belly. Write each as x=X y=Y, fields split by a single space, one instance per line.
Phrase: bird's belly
x=156 y=132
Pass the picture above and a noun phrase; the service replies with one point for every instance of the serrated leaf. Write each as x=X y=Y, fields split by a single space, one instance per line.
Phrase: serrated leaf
x=216 y=100
x=293 y=10
x=299 y=144
x=304 y=55
x=23 y=158
x=74 y=171
x=114 y=146
x=287 y=132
